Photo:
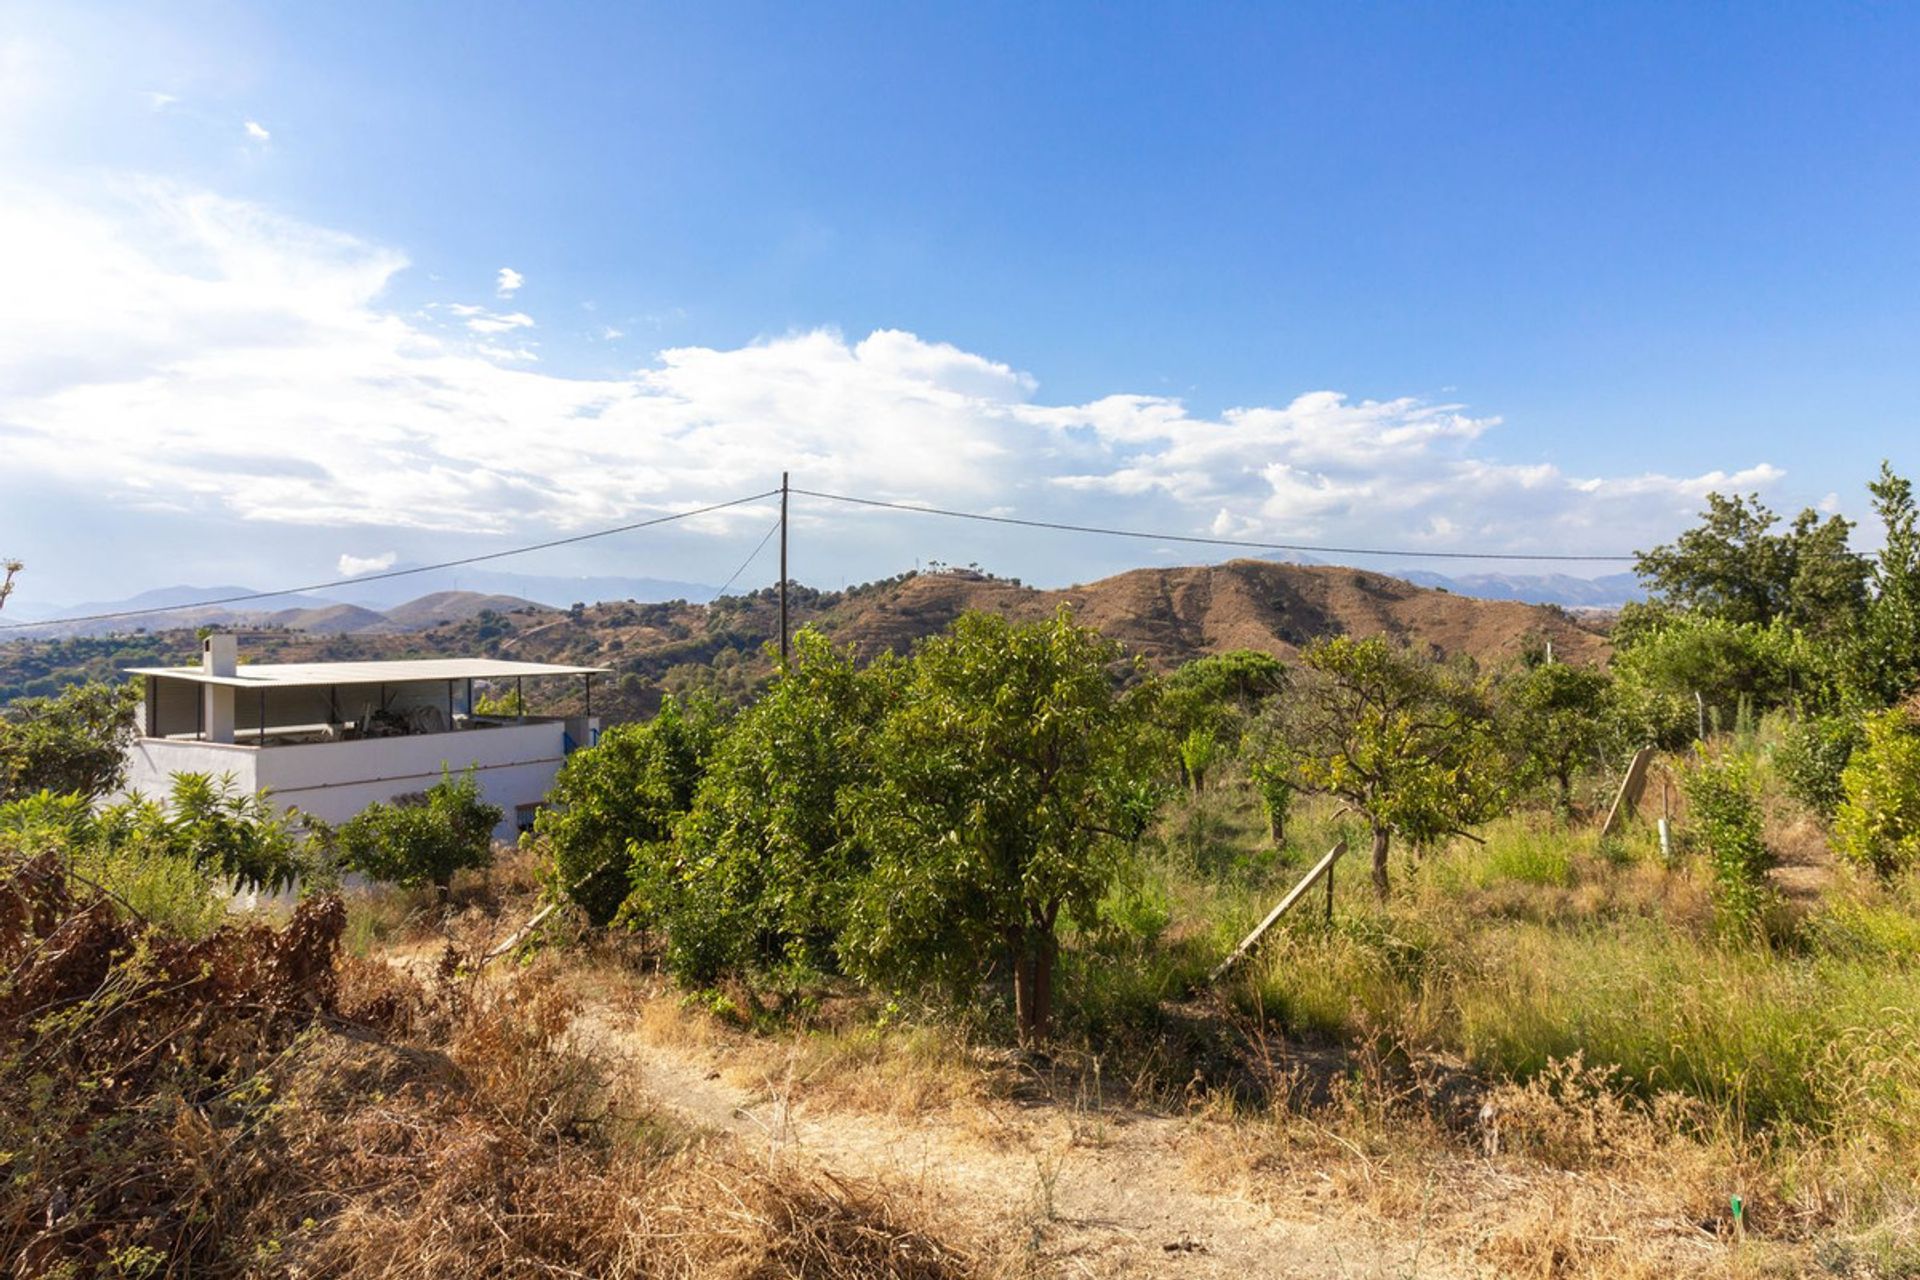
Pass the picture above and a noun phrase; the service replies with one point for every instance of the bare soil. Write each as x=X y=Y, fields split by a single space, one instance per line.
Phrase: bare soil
x=1045 y=1189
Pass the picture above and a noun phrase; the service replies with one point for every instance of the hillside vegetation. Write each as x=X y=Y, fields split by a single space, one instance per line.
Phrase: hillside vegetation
x=1003 y=870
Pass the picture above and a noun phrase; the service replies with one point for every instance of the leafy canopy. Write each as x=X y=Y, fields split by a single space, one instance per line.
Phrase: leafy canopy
x=1407 y=744
x=424 y=839
x=1007 y=781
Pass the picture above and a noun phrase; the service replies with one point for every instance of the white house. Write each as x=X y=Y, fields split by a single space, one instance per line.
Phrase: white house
x=330 y=738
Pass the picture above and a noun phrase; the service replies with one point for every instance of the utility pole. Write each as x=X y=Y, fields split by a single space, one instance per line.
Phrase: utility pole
x=783 y=571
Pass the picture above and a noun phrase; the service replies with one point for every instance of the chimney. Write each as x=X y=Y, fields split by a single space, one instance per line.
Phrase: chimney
x=219 y=655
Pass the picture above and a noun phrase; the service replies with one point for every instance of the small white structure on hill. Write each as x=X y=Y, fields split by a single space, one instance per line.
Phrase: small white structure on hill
x=330 y=738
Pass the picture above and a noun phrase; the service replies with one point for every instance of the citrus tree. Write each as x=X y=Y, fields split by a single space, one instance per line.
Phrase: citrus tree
x=1007 y=780
x=760 y=868
x=75 y=743
x=1409 y=746
x=421 y=840
x=624 y=794
x=1878 y=822
x=1555 y=719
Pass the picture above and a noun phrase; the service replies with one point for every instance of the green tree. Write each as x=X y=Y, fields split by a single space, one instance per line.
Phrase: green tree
x=76 y=742
x=241 y=835
x=1878 y=822
x=424 y=839
x=761 y=866
x=622 y=794
x=1733 y=566
x=1408 y=745
x=1007 y=782
x=1883 y=662
x=1206 y=705
x=1554 y=717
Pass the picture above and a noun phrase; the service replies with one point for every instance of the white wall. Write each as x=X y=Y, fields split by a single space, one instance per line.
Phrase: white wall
x=333 y=781
x=152 y=762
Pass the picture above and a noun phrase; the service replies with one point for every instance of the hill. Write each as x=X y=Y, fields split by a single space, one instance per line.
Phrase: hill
x=1169 y=616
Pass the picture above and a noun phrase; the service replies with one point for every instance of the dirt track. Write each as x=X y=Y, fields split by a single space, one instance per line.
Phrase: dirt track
x=1048 y=1190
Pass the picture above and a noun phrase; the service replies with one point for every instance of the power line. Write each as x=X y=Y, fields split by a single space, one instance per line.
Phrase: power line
x=751 y=557
x=396 y=573
x=1206 y=541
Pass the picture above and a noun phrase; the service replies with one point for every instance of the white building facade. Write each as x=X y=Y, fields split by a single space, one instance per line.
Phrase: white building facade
x=330 y=738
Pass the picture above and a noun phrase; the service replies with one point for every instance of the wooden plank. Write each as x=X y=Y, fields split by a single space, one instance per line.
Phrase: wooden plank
x=1632 y=787
x=1324 y=867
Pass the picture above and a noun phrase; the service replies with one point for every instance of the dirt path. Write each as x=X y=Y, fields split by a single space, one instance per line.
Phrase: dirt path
x=1055 y=1191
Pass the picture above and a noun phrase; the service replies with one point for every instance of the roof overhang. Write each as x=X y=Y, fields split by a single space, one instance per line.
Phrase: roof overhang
x=307 y=675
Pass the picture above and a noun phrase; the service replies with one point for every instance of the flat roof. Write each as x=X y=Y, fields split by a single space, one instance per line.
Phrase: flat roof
x=262 y=675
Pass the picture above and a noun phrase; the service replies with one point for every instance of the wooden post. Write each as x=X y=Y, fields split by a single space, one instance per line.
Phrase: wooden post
x=1329 y=893
x=783 y=571
x=1631 y=788
x=1324 y=867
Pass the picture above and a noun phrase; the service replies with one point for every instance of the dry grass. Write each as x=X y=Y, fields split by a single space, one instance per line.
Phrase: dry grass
x=252 y=1104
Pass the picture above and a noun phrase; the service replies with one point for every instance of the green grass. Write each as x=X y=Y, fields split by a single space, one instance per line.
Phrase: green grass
x=1541 y=944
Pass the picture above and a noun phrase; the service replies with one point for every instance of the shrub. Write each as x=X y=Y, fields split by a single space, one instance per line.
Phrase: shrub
x=419 y=840
x=1726 y=809
x=1878 y=821
x=75 y=742
x=622 y=794
x=1812 y=755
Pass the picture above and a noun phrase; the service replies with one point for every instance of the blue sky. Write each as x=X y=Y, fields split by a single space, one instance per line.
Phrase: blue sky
x=1504 y=277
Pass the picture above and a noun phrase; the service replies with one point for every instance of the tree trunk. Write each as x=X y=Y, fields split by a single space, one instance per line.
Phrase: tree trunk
x=1033 y=962
x=1380 y=839
x=1277 y=826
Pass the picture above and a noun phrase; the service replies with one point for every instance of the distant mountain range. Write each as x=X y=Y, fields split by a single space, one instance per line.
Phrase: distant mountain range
x=293 y=613
x=395 y=604
x=1608 y=592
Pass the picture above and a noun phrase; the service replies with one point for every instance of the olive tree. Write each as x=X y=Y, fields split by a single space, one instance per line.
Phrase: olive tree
x=1408 y=745
x=1007 y=780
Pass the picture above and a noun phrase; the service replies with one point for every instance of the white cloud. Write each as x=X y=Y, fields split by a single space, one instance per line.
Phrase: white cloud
x=171 y=349
x=257 y=132
x=508 y=282
x=158 y=101
x=352 y=566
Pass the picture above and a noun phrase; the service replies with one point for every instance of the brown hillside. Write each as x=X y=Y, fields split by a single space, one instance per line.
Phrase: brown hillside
x=1169 y=616
x=1174 y=615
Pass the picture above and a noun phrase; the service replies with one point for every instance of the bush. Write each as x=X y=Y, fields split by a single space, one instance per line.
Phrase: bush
x=622 y=794
x=1878 y=821
x=420 y=840
x=1812 y=755
x=74 y=743
x=1726 y=809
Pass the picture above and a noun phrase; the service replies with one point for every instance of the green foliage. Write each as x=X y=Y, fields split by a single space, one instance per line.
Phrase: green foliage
x=1734 y=568
x=424 y=839
x=1007 y=783
x=1883 y=661
x=1878 y=822
x=1271 y=772
x=173 y=863
x=1725 y=809
x=503 y=705
x=1198 y=750
x=1410 y=746
x=622 y=794
x=75 y=742
x=1812 y=754
x=1726 y=663
x=1554 y=718
x=760 y=867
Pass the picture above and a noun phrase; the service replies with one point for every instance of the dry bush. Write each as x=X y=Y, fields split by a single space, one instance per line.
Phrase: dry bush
x=253 y=1104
